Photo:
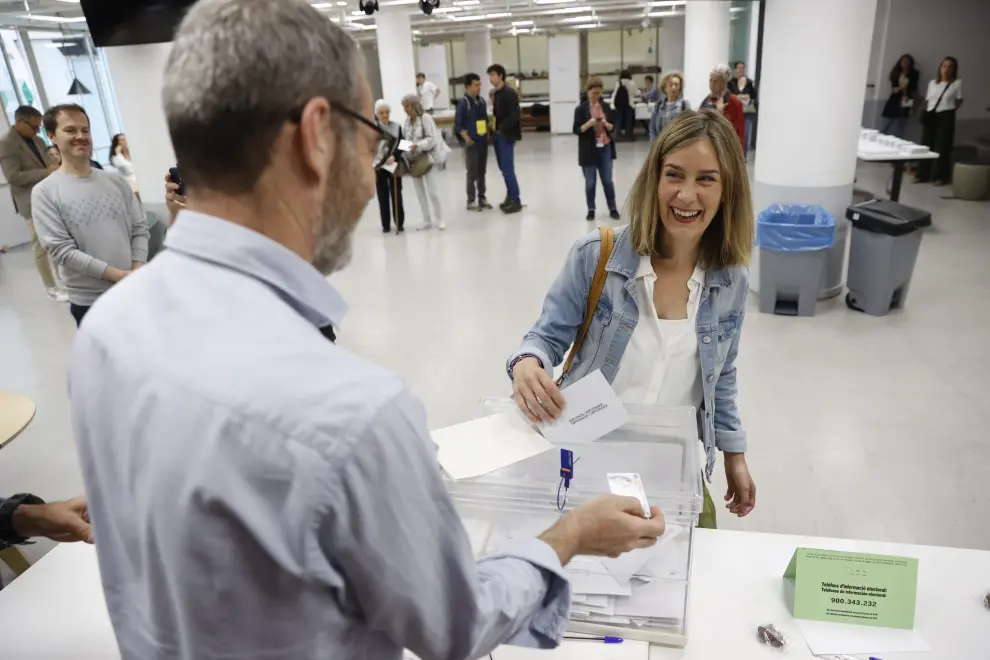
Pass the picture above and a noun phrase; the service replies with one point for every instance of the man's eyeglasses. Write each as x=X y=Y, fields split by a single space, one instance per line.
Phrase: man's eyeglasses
x=390 y=140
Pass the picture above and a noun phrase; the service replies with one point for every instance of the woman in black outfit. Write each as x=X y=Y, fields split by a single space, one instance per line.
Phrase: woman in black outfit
x=744 y=88
x=943 y=98
x=596 y=147
x=389 y=186
x=904 y=87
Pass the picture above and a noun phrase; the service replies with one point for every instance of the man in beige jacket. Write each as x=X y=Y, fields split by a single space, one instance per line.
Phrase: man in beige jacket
x=25 y=162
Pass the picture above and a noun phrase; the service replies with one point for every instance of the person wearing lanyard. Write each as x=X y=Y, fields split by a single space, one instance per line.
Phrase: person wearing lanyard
x=596 y=149
x=471 y=126
x=667 y=325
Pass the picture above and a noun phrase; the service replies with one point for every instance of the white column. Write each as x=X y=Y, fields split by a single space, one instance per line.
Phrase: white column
x=433 y=63
x=396 y=57
x=706 y=43
x=137 y=73
x=795 y=164
x=672 y=45
x=479 y=57
x=565 y=81
x=754 y=36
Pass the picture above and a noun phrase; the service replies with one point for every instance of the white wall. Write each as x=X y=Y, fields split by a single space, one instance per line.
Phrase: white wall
x=137 y=73
x=929 y=31
x=433 y=63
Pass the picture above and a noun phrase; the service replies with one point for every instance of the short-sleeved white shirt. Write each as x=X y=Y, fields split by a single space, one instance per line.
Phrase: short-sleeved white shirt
x=951 y=99
x=427 y=95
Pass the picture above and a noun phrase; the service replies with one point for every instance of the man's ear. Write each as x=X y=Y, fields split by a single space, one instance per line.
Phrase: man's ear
x=317 y=142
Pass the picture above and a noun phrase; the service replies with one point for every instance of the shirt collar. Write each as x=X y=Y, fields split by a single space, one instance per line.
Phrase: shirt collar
x=229 y=245
x=645 y=271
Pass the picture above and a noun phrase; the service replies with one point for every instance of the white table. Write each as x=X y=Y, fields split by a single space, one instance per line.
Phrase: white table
x=872 y=151
x=55 y=611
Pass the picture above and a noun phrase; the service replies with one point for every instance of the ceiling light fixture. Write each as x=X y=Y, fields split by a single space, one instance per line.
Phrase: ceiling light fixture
x=75 y=2
x=565 y=10
x=52 y=19
x=661 y=14
x=322 y=5
x=447 y=10
x=466 y=3
x=585 y=26
x=553 y=2
x=521 y=23
x=504 y=14
x=668 y=3
x=580 y=19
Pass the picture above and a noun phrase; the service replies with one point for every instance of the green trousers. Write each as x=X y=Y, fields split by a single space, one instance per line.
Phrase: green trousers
x=707 y=518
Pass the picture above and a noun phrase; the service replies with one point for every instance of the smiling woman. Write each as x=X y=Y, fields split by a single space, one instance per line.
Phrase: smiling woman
x=666 y=327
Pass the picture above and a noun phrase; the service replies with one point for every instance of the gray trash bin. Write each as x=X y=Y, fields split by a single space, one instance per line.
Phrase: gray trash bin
x=793 y=241
x=886 y=237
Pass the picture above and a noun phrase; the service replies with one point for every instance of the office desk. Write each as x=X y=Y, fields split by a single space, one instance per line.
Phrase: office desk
x=55 y=611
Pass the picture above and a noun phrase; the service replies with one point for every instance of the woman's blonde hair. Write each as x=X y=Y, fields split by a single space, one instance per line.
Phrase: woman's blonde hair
x=594 y=81
x=728 y=240
x=672 y=74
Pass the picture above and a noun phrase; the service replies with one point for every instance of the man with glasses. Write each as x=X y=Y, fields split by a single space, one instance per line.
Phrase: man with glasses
x=256 y=489
x=25 y=163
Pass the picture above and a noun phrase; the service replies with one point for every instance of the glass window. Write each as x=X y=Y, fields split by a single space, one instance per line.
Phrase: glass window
x=22 y=74
x=739 y=23
x=63 y=60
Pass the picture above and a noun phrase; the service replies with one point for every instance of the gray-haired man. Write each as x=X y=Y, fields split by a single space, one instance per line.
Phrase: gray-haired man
x=256 y=490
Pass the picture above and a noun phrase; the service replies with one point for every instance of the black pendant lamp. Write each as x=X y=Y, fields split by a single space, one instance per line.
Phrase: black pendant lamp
x=77 y=88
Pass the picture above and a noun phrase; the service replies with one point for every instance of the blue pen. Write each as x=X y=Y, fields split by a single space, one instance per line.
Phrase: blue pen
x=606 y=639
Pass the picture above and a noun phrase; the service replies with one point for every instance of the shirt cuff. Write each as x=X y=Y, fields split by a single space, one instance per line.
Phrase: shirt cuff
x=95 y=268
x=732 y=442
x=549 y=624
x=535 y=352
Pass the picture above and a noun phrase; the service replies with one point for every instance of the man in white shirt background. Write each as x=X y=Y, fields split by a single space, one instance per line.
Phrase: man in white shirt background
x=427 y=91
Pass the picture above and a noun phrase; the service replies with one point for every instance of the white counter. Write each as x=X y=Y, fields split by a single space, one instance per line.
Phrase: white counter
x=55 y=611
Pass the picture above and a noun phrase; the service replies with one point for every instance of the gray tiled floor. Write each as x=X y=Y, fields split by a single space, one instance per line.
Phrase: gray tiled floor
x=859 y=426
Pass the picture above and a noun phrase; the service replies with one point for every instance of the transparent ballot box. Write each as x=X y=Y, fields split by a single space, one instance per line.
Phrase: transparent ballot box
x=640 y=595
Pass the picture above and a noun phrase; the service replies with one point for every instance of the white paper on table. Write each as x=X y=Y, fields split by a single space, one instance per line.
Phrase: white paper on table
x=628 y=564
x=828 y=638
x=659 y=599
x=588 y=576
x=390 y=167
x=487 y=444
x=592 y=410
x=404 y=145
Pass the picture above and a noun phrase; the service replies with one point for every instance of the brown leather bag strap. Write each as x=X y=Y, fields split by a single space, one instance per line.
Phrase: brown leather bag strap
x=597 y=286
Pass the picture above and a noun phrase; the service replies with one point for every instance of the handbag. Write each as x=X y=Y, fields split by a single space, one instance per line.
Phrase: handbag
x=417 y=166
x=597 y=286
x=928 y=116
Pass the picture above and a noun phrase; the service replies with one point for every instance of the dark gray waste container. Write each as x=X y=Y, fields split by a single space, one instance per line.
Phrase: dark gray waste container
x=886 y=237
x=793 y=241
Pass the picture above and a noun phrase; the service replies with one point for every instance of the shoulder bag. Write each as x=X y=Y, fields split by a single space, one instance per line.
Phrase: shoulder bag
x=928 y=116
x=597 y=286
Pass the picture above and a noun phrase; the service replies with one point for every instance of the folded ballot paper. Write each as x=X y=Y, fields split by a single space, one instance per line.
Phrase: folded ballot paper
x=487 y=444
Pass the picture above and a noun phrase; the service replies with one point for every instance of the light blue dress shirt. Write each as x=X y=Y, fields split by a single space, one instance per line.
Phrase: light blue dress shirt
x=258 y=492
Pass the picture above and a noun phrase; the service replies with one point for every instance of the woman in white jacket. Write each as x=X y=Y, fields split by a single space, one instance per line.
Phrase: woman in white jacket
x=422 y=132
x=120 y=158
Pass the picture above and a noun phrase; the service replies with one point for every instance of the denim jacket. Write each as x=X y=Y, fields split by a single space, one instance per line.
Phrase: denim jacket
x=719 y=323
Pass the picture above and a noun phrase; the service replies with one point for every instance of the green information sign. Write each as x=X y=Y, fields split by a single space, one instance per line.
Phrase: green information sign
x=849 y=587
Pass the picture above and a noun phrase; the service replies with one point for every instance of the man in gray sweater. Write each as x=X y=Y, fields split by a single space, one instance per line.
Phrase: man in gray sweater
x=89 y=220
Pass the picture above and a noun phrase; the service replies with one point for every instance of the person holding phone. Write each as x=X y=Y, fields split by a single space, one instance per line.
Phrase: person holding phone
x=596 y=149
